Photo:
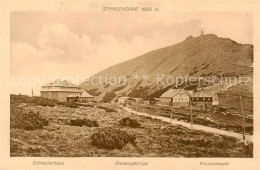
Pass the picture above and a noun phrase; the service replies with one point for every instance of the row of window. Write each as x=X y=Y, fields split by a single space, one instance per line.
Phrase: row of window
x=179 y=99
x=208 y=98
x=186 y=99
x=62 y=92
x=87 y=99
x=70 y=88
x=67 y=88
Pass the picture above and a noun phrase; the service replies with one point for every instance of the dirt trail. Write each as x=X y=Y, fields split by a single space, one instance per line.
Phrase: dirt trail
x=249 y=138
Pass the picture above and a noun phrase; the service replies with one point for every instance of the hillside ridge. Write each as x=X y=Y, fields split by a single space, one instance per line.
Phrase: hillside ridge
x=202 y=56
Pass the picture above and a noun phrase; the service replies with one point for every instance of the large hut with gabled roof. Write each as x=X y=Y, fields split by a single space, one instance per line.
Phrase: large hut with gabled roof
x=63 y=90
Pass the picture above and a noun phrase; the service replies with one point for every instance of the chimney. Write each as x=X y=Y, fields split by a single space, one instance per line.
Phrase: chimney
x=201 y=33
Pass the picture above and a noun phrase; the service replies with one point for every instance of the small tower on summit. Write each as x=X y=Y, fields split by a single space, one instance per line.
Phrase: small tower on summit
x=201 y=33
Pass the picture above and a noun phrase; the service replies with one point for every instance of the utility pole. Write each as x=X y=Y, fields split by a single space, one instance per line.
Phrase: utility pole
x=191 y=116
x=243 y=119
x=32 y=92
x=172 y=112
x=243 y=124
x=125 y=103
x=142 y=104
x=156 y=109
x=142 y=108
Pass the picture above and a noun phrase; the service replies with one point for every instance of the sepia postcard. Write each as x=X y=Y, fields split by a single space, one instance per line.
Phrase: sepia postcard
x=119 y=84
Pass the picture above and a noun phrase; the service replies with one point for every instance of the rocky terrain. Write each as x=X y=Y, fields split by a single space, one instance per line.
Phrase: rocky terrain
x=57 y=137
x=203 y=56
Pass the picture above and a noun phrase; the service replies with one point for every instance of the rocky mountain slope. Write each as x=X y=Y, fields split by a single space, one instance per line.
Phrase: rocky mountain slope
x=203 y=56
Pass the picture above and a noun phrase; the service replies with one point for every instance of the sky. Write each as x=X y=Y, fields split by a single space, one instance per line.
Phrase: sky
x=76 y=45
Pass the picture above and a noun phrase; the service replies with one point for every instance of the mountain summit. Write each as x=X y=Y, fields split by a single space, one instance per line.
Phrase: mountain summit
x=206 y=55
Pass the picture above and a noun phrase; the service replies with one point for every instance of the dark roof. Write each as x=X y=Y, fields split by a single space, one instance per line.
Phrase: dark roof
x=204 y=93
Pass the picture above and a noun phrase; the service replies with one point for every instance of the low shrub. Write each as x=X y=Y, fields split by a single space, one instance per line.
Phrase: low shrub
x=119 y=88
x=106 y=109
x=26 y=120
x=94 y=92
x=109 y=138
x=38 y=101
x=41 y=101
x=196 y=142
x=249 y=129
x=84 y=105
x=129 y=122
x=85 y=122
x=173 y=131
x=109 y=96
x=44 y=102
x=249 y=150
x=69 y=104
